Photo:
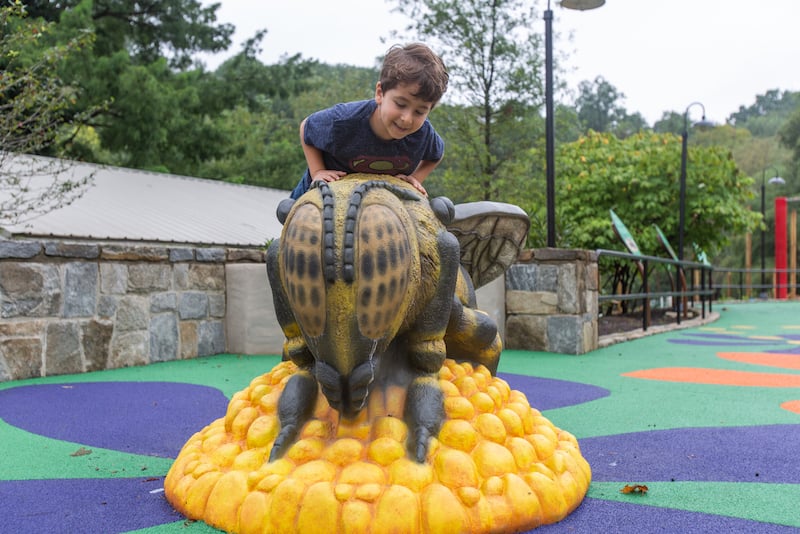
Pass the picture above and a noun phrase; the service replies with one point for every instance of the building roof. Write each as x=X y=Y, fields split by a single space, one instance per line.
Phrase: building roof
x=134 y=205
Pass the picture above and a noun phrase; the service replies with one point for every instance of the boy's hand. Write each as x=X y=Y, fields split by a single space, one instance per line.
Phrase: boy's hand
x=327 y=175
x=410 y=178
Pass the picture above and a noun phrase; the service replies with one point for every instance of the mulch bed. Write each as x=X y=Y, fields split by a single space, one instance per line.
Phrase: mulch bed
x=614 y=324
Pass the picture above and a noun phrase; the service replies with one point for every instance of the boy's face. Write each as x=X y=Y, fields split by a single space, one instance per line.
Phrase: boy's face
x=399 y=112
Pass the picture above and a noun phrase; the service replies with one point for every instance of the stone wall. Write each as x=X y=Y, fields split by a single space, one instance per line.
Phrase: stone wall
x=79 y=307
x=551 y=301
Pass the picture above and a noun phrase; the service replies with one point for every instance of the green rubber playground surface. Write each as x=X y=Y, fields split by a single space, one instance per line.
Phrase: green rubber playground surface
x=708 y=418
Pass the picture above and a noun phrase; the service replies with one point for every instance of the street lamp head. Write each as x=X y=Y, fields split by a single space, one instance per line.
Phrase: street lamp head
x=704 y=124
x=582 y=5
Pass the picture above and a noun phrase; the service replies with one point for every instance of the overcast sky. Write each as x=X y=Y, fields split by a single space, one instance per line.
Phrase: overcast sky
x=661 y=54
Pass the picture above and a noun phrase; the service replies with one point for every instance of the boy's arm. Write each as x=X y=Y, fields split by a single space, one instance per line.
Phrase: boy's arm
x=420 y=173
x=315 y=161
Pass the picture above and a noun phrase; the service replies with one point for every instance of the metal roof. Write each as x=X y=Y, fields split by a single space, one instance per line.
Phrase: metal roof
x=134 y=205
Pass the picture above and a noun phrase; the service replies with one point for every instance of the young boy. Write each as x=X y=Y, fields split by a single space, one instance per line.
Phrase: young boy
x=389 y=134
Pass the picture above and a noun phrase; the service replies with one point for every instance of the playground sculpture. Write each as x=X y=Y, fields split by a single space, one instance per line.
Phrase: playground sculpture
x=385 y=414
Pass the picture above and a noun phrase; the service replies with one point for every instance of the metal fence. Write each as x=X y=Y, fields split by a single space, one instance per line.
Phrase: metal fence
x=746 y=284
x=692 y=281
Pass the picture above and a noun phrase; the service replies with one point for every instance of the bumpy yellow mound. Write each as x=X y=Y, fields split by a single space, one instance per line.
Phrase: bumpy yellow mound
x=497 y=465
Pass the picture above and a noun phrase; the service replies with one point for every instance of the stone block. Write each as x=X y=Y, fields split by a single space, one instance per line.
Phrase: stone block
x=164 y=337
x=532 y=277
x=107 y=306
x=193 y=305
x=591 y=334
x=210 y=338
x=129 y=349
x=20 y=358
x=22 y=328
x=5 y=374
x=216 y=305
x=22 y=250
x=96 y=336
x=531 y=302
x=29 y=290
x=188 y=339
x=235 y=255
x=71 y=250
x=80 y=289
x=568 y=295
x=132 y=313
x=63 y=354
x=565 y=334
x=180 y=276
x=134 y=253
x=181 y=254
x=147 y=278
x=212 y=255
x=206 y=277
x=526 y=332
x=592 y=277
x=163 y=302
x=194 y=277
x=562 y=255
x=113 y=278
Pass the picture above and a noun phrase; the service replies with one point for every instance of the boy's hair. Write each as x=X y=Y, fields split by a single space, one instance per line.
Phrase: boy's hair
x=415 y=64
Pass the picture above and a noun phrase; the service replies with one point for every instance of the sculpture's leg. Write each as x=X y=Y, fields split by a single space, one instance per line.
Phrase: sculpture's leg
x=472 y=336
x=424 y=409
x=424 y=413
x=426 y=338
x=294 y=348
x=295 y=407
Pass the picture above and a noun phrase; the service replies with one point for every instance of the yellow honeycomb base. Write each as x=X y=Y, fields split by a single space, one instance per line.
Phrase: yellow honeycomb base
x=497 y=465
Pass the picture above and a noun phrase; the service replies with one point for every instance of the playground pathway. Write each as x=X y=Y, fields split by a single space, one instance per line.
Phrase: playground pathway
x=708 y=418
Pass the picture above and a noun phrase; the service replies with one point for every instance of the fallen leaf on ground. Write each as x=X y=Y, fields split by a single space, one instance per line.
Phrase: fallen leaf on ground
x=82 y=452
x=636 y=488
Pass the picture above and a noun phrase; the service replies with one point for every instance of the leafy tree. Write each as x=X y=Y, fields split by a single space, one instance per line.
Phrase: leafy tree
x=766 y=116
x=495 y=62
x=670 y=122
x=148 y=31
x=789 y=134
x=156 y=116
x=262 y=148
x=35 y=114
x=639 y=178
x=260 y=134
x=600 y=109
x=598 y=105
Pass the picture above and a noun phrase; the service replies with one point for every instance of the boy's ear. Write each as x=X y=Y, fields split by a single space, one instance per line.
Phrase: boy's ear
x=378 y=92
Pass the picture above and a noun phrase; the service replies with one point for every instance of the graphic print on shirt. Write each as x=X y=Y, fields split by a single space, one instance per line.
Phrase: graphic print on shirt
x=382 y=164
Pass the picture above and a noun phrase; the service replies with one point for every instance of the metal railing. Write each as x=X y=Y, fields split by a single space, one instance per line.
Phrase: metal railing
x=680 y=294
x=738 y=284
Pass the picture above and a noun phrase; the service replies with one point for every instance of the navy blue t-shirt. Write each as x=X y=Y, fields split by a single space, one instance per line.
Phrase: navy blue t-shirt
x=348 y=144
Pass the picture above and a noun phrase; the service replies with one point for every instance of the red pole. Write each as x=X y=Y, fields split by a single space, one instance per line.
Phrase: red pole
x=780 y=247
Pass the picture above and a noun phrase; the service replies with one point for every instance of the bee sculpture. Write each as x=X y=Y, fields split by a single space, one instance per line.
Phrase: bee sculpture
x=372 y=290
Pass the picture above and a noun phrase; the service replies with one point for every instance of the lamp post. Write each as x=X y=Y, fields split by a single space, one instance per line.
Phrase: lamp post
x=550 y=140
x=778 y=181
x=682 y=199
x=684 y=154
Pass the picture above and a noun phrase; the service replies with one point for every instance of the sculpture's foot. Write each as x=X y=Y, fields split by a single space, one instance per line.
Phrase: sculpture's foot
x=496 y=465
